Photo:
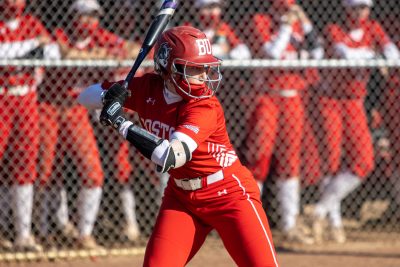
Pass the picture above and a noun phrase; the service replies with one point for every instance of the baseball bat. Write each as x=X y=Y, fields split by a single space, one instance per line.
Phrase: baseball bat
x=157 y=26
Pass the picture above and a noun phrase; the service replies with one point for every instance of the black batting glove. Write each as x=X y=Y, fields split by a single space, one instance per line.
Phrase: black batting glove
x=112 y=114
x=116 y=93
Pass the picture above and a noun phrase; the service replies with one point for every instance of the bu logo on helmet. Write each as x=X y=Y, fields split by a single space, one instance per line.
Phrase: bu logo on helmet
x=204 y=47
x=163 y=55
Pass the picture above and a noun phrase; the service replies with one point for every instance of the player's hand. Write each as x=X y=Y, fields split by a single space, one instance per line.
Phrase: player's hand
x=112 y=114
x=115 y=93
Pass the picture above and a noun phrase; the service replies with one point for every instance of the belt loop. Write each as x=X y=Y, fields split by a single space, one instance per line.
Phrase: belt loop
x=204 y=182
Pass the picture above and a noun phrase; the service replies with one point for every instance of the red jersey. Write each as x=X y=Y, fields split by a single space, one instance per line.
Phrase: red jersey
x=265 y=31
x=362 y=43
x=72 y=80
x=19 y=38
x=202 y=120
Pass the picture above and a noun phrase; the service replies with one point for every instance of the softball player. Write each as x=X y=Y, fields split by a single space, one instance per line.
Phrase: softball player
x=21 y=36
x=276 y=125
x=184 y=134
x=346 y=147
x=65 y=123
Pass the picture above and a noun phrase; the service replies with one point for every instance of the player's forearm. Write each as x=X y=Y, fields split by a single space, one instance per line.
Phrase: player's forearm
x=166 y=155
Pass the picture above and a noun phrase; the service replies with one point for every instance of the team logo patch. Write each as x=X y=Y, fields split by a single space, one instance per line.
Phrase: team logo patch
x=162 y=55
x=192 y=128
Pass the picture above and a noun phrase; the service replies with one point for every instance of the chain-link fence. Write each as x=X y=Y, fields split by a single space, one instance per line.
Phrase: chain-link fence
x=310 y=93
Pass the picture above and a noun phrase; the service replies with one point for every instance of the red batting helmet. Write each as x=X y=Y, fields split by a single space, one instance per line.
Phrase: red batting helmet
x=184 y=46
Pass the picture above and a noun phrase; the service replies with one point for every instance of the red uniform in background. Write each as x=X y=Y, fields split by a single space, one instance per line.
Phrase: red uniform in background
x=21 y=37
x=65 y=121
x=276 y=125
x=343 y=118
x=344 y=121
x=19 y=139
x=346 y=147
x=66 y=128
x=279 y=112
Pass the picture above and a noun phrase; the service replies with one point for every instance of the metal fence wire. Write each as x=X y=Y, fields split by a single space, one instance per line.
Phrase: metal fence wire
x=310 y=93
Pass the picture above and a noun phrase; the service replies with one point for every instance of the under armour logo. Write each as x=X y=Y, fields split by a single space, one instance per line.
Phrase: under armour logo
x=223 y=192
x=150 y=101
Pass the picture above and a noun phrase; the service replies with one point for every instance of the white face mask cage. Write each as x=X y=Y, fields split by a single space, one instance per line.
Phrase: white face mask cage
x=212 y=80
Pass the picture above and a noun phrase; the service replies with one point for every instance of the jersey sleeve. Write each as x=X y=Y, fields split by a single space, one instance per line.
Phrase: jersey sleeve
x=198 y=122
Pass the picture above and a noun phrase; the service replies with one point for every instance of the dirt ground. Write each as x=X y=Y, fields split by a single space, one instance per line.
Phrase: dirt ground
x=352 y=254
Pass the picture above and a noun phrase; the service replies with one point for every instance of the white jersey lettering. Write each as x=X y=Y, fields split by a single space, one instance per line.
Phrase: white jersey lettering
x=158 y=128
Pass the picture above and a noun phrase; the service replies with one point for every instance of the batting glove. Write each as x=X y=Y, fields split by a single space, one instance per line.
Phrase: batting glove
x=112 y=114
x=115 y=93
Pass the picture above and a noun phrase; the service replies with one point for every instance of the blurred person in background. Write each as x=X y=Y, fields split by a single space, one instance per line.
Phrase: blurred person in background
x=390 y=114
x=346 y=146
x=22 y=36
x=225 y=42
x=64 y=123
x=277 y=122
